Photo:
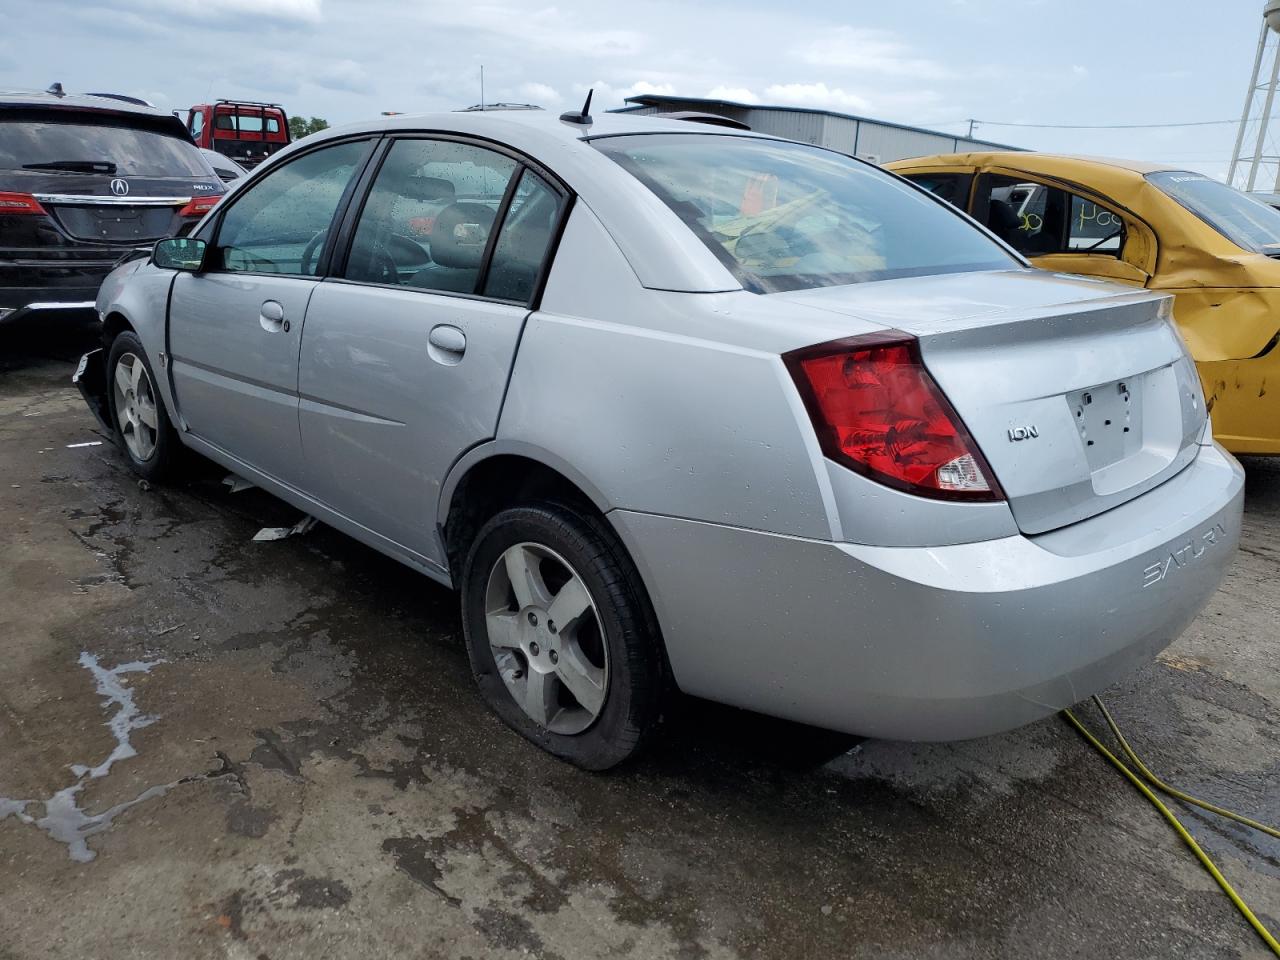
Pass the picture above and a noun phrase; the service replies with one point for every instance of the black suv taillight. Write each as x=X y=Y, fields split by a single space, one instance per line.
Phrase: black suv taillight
x=19 y=204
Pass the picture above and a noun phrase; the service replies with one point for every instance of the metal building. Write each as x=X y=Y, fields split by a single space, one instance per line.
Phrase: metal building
x=876 y=140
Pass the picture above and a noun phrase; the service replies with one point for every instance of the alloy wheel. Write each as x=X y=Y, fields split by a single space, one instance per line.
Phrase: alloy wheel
x=547 y=639
x=135 y=405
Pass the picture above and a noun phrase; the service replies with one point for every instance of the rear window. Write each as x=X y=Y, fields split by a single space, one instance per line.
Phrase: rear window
x=246 y=123
x=69 y=147
x=787 y=216
x=1246 y=222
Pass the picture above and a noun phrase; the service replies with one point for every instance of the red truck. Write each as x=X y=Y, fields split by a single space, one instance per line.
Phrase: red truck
x=245 y=130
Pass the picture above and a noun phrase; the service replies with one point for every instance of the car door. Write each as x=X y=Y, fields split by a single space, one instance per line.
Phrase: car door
x=1067 y=230
x=234 y=327
x=407 y=351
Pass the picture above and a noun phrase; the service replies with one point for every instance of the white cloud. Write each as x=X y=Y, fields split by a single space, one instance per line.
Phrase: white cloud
x=548 y=30
x=815 y=95
x=737 y=94
x=303 y=11
x=611 y=95
x=869 y=51
x=1079 y=71
x=540 y=94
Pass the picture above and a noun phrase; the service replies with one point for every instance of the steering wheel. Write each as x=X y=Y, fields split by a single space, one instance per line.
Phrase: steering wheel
x=382 y=266
x=309 y=251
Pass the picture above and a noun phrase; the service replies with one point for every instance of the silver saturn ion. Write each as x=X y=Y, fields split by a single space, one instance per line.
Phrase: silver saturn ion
x=677 y=407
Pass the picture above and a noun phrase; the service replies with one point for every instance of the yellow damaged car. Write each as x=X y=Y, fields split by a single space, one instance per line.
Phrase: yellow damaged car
x=1216 y=249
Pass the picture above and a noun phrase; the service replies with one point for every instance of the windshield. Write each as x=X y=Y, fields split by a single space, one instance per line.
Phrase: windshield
x=90 y=147
x=1246 y=222
x=786 y=216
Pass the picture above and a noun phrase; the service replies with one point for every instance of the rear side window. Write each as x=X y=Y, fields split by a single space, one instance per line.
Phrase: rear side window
x=1039 y=220
x=786 y=216
x=280 y=224
x=79 y=147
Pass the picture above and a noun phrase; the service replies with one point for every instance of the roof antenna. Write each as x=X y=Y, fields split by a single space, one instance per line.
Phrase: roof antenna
x=582 y=116
x=57 y=91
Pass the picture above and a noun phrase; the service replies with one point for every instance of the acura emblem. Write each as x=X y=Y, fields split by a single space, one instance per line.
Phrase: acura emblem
x=119 y=187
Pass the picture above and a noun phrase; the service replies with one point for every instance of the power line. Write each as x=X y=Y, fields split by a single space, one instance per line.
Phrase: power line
x=1098 y=126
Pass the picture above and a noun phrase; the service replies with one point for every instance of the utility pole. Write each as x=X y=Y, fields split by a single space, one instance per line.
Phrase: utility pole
x=971 y=123
x=482 y=86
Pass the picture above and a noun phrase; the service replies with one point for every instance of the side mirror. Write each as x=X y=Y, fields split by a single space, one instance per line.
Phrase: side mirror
x=179 y=253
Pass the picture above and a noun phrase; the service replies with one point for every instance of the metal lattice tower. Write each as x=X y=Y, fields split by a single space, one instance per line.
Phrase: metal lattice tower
x=1248 y=164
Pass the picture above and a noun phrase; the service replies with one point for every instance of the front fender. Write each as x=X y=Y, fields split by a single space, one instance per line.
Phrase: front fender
x=136 y=295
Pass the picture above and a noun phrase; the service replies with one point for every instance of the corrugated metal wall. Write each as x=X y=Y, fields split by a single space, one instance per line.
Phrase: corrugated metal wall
x=805 y=127
x=879 y=142
x=883 y=143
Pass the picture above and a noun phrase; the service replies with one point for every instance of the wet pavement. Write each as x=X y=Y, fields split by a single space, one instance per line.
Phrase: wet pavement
x=213 y=747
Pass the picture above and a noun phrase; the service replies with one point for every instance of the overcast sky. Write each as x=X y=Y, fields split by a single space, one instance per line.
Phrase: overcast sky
x=930 y=62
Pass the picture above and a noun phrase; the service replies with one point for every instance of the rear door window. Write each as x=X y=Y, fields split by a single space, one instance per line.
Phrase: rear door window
x=282 y=222
x=429 y=215
x=523 y=240
x=1040 y=220
x=82 y=146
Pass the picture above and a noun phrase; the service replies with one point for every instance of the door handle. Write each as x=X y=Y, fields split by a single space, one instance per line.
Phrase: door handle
x=446 y=344
x=271 y=317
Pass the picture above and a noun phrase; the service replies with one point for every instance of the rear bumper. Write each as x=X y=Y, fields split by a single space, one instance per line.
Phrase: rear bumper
x=28 y=288
x=937 y=643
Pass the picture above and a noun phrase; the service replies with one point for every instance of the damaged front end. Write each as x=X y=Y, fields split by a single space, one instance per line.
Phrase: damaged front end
x=90 y=379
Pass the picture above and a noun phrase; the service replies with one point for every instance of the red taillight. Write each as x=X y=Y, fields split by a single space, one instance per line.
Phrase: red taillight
x=877 y=411
x=19 y=204
x=199 y=206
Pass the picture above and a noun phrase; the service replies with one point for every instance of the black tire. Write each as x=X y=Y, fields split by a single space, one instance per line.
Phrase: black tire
x=635 y=692
x=163 y=460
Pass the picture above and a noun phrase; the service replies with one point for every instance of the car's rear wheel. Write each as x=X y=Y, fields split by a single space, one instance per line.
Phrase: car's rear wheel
x=562 y=641
x=142 y=426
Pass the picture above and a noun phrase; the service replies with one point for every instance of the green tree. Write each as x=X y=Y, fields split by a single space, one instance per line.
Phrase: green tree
x=300 y=127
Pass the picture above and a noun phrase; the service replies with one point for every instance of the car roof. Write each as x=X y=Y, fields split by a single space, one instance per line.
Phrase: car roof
x=1029 y=158
x=500 y=124
x=78 y=101
x=664 y=253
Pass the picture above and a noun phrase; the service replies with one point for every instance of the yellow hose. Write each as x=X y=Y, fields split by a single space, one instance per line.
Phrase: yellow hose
x=1168 y=814
x=1174 y=791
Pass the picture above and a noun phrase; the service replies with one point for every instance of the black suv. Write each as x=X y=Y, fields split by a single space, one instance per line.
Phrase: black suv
x=85 y=179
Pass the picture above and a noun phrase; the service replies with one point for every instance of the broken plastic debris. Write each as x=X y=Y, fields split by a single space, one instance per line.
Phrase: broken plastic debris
x=235 y=484
x=279 y=533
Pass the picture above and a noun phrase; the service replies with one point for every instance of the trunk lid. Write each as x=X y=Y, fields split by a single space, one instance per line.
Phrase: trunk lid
x=1078 y=392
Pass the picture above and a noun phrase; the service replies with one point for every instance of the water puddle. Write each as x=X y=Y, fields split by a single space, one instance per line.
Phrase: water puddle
x=63 y=819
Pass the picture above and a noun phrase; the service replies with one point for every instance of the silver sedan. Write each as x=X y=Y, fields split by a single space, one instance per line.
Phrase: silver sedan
x=687 y=408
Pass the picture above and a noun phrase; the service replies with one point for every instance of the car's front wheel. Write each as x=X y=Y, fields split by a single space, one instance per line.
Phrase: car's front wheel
x=561 y=638
x=142 y=427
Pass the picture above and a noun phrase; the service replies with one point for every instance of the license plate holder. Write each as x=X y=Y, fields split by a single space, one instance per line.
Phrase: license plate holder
x=1108 y=418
